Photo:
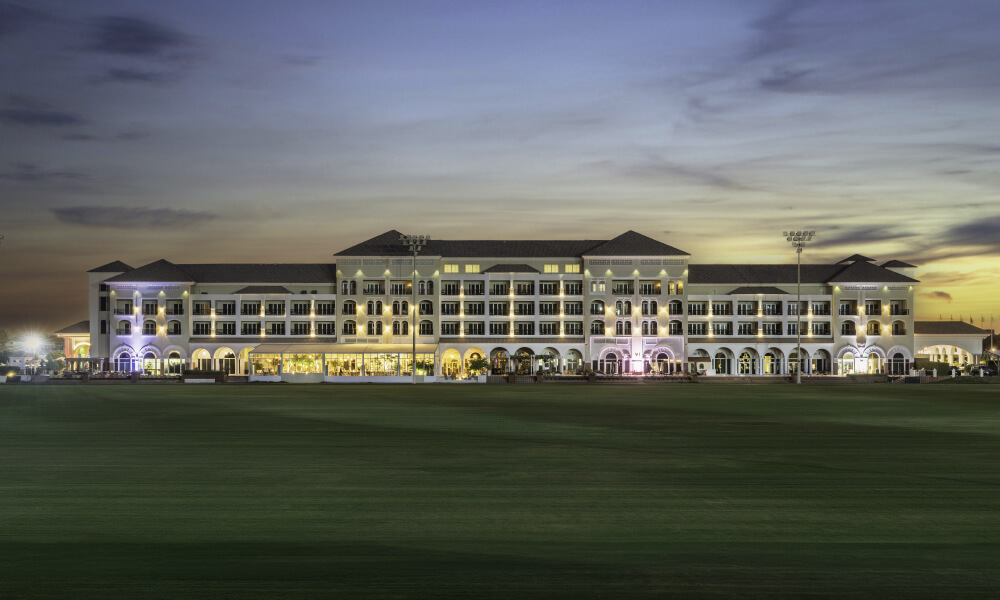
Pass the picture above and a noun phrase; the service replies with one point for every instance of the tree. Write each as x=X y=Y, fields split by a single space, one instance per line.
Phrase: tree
x=478 y=365
x=6 y=345
x=54 y=361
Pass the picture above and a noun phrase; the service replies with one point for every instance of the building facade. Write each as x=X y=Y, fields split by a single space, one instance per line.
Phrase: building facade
x=631 y=305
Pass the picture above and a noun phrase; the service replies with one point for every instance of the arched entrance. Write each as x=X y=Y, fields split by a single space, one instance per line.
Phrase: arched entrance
x=451 y=363
x=613 y=361
x=201 y=360
x=722 y=362
x=746 y=364
x=574 y=361
x=548 y=360
x=472 y=355
x=150 y=364
x=174 y=362
x=500 y=361
x=225 y=360
x=124 y=360
x=522 y=360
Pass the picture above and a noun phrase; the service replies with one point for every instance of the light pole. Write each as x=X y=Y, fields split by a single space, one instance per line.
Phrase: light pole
x=798 y=240
x=414 y=243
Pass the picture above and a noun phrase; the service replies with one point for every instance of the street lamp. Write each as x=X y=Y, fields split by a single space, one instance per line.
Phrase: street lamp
x=414 y=243
x=798 y=240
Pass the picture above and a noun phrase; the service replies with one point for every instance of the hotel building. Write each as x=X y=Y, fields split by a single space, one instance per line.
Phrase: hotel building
x=631 y=304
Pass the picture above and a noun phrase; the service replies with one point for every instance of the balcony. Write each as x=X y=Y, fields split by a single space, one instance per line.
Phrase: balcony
x=176 y=311
x=123 y=311
x=201 y=312
x=899 y=312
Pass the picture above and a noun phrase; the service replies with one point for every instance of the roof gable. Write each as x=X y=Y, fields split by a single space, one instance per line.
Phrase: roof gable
x=159 y=271
x=865 y=271
x=112 y=267
x=509 y=268
x=632 y=243
x=75 y=329
x=856 y=258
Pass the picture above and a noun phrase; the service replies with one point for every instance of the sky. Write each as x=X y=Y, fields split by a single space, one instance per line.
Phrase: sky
x=252 y=131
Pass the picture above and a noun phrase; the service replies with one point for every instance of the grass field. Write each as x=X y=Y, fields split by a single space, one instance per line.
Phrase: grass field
x=499 y=491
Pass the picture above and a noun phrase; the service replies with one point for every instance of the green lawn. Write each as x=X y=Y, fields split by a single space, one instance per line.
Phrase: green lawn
x=545 y=491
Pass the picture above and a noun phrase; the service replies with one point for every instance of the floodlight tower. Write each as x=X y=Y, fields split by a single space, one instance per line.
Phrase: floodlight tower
x=798 y=240
x=414 y=243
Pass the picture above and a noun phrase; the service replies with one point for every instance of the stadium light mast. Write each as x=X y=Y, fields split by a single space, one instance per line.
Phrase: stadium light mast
x=414 y=243
x=798 y=240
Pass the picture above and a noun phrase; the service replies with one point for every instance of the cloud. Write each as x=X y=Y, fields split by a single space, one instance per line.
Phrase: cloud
x=31 y=173
x=31 y=112
x=937 y=295
x=124 y=75
x=860 y=236
x=15 y=18
x=131 y=217
x=131 y=36
x=783 y=77
x=776 y=29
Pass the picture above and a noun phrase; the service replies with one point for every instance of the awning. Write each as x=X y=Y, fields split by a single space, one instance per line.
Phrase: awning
x=343 y=349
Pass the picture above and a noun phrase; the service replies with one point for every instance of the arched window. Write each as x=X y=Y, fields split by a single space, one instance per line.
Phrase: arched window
x=597 y=328
x=426 y=307
x=405 y=307
x=671 y=288
x=597 y=307
x=344 y=288
x=378 y=307
x=675 y=307
x=123 y=362
x=426 y=328
x=430 y=288
x=652 y=307
x=174 y=363
x=848 y=328
x=174 y=328
x=406 y=328
x=675 y=328
x=645 y=308
x=395 y=308
x=374 y=327
x=619 y=328
x=350 y=328
x=124 y=328
x=874 y=328
x=422 y=288
x=371 y=307
x=746 y=364
x=149 y=328
x=619 y=308
x=395 y=328
x=899 y=328
x=645 y=327
x=653 y=328
x=628 y=307
x=680 y=287
x=628 y=327
x=721 y=364
x=350 y=308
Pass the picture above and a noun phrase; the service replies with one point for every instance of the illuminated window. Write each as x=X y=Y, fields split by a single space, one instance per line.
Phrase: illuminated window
x=471 y=269
x=551 y=268
x=451 y=268
x=572 y=268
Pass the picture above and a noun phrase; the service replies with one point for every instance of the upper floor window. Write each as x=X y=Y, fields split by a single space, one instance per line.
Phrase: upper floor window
x=471 y=268
x=451 y=268
x=572 y=268
x=551 y=268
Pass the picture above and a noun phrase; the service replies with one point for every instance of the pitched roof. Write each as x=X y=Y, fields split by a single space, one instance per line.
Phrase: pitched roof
x=757 y=290
x=159 y=271
x=264 y=289
x=627 y=244
x=75 y=329
x=631 y=243
x=165 y=271
x=856 y=258
x=946 y=327
x=509 y=268
x=786 y=274
x=112 y=267
x=898 y=264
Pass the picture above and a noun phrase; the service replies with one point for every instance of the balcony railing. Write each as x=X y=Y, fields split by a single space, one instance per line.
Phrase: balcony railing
x=123 y=311
x=899 y=312
x=175 y=311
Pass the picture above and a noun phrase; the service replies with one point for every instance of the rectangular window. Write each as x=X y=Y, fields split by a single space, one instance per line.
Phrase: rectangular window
x=226 y=328
x=746 y=308
x=374 y=288
x=475 y=308
x=399 y=288
x=275 y=308
x=449 y=328
x=149 y=307
x=201 y=308
x=499 y=289
x=250 y=308
x=647 y=288
x=548 y=328
x=476 y=328
x=548 y=308
x=698 y=308
x=574 y=328
x=622 y=288
x=572 y=268
x=722 y=308
x=499 y=309
x=548 y=288
x=499 y=329
x=771 y=308
x=573 y=288
x=104 y=303
x=225 y=308
x=725 y=328
x=525 y=329
x=300 y=328
x=103 y=287
x=793 y=329
x=471 y=268
x=275 y=328
x=697 y=328
x=821 y=328
x=551 y=268
x=104 y=326
x=325 y=328
x=202 y=329
x=250 y=329
x=873 y=307
x=449 y=308
x=772 y=328
x=524 y=289
x=326 y=308
x=573 y=308
x=821 y=308
x=301 y=308
x=449 y=288
x=451 y=268
x=474 y=289
x=524 y=308
x=747 y=328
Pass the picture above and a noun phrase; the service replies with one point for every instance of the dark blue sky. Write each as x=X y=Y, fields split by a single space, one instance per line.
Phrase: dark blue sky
x=258 y=131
